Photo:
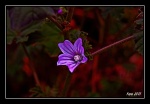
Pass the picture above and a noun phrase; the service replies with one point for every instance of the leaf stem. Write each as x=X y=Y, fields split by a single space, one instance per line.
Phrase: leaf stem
x=31 y=65
x=114 y=44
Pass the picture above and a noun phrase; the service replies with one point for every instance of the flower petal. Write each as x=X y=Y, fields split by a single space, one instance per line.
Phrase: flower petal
x=64 y=49
x=65 y=57
x=78 y=46
x=84 y=58
x=72 y=66
x=64 y=62
x=67 y=47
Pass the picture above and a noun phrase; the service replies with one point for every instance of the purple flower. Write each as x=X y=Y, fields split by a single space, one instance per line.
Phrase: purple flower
x=60 y=11
x=72 y=55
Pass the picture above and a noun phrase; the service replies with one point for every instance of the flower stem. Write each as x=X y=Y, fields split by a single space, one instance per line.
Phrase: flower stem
x=31 y=66
x=55 y=22
x=66 y=85
x=114 y=44
x=70 y=14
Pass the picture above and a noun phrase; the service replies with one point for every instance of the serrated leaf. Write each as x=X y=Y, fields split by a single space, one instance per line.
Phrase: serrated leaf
x=51 y=36
x=139 y=42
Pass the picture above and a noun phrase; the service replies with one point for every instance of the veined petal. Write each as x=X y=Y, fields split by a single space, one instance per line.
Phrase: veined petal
x=69 y=46
x=84 y=58
x=72 y=66
x=65 y=57
x=78 y=46
x=64 y=49
x=64 y=62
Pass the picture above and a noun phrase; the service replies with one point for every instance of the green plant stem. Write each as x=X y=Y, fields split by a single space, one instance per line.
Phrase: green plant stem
x=114 y=44
x=31 y=65
x=55 y=22
x=66 y=84
x=68 y=18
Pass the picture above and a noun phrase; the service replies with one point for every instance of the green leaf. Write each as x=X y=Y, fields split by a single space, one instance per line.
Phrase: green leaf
x=51 y=37
x=32 y=27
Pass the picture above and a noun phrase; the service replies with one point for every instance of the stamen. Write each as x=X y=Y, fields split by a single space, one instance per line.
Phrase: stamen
x=77 y=58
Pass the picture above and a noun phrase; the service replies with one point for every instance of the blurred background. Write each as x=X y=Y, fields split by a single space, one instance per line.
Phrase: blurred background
x=112 y=73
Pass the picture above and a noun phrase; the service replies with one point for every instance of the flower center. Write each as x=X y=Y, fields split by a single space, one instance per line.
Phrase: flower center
x=77 y=57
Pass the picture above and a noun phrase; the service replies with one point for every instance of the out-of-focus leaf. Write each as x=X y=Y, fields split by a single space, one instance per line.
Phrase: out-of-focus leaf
x=10 y=36
x=129 y=66
x=14 y=64
x=110 y=87
x=93 y=95
x=37 y=92
x=22 y=39
x=139 y=42
x=140 y=49
x=22 y=16
x=105 y=11
x=25 y=20
x=139 y=21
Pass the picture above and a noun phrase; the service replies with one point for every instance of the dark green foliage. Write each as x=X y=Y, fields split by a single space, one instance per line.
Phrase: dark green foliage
x=48 y=92
x=28 y=23
x=75 y=34
x=22 y=21
x=129 y=66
